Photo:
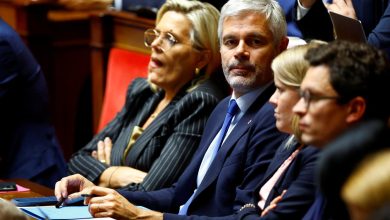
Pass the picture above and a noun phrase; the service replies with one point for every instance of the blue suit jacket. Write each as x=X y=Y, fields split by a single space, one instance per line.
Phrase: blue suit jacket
x=28 y=145
x=298 y=180
x=313 y=25
x=229 y=182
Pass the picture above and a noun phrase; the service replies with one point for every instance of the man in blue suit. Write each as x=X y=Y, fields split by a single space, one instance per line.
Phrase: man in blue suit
x=28 y=144
x=341 y=88
x=251 y=33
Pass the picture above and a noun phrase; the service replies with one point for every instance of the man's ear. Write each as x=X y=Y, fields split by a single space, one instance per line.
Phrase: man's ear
x=356 y=109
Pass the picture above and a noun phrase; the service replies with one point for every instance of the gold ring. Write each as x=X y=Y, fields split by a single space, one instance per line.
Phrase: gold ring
x=103 y=161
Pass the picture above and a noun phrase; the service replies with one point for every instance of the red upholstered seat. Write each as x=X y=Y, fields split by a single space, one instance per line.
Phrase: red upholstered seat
x=123 y=67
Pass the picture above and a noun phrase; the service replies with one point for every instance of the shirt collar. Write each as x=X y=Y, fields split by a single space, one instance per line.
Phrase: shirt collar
x=246 y=100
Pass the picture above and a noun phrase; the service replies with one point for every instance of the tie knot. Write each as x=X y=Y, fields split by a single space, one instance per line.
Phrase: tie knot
x=233 y=107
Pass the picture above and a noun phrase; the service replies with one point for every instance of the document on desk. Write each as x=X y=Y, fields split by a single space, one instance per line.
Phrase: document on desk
x=66 y=212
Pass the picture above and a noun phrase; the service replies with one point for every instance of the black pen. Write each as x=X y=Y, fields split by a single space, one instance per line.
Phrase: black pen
x=88 y=195
x=60 y=202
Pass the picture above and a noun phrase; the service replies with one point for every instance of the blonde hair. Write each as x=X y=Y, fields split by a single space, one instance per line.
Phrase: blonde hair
x=368 y=185
x=204 y=19
x=290 y=67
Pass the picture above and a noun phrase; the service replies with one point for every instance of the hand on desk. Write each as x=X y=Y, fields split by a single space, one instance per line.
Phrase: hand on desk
x=70 y=186
x=343 y=7
x=109 y=203
x=105 y=202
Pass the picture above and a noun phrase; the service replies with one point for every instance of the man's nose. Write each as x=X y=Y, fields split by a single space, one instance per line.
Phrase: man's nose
x=242 y=51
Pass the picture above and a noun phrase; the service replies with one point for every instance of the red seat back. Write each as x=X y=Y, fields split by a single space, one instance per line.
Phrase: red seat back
x=123 y=67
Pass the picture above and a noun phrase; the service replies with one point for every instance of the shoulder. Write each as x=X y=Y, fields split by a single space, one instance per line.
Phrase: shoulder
x=206 y=93
x=138 y=86
x=310 y=153
x=213 y=88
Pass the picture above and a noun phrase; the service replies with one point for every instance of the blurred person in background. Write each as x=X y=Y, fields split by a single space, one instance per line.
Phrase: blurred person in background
x=29 y=148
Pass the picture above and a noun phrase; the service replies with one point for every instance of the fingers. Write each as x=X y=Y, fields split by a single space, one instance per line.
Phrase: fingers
x=100 y=152
x=283 y=193
x=103 y=153
x=273 y=203
x=107 y=149
x=94 y=155
x=61 y=188
x=57 y=190
x=343 y=7
x=99 y=201
x=268 y=209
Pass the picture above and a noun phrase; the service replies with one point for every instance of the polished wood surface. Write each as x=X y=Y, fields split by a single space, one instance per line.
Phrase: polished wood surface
x=36 y=190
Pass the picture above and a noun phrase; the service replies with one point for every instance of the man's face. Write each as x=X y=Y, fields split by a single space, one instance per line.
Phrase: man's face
x=247 y=49
x=322 y=118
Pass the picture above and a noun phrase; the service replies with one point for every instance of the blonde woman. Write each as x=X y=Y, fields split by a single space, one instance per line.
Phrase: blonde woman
x=151 y=141
x=287 y=189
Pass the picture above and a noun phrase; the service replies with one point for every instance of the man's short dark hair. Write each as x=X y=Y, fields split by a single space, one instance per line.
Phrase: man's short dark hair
x=356 y=70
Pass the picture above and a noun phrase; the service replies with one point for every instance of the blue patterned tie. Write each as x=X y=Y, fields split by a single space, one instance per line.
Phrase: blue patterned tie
x=212 y=151
x=232 y=110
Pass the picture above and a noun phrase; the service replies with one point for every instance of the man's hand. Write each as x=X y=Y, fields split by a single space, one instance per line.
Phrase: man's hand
x=343 y=7
x=71 y=185
x=103 y=153
x=109 y=203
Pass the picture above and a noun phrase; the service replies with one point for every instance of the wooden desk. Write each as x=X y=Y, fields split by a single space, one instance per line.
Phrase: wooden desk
x=36 y=190
x=112 y=29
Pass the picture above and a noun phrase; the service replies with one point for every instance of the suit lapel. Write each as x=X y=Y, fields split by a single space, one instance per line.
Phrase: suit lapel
x=277 y=161
x=144 y=139
x=215 y=123
x=240 y=129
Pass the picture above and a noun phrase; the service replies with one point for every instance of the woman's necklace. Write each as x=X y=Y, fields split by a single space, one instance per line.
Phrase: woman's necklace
x=159 y=109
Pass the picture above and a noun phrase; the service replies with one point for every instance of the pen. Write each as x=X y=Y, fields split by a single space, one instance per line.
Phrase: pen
x=66 y=201
x=60 y=202
x=87 y=195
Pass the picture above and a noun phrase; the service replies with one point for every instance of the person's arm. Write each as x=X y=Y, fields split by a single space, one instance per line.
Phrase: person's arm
x=191 y=113
x=299 y=195
x=380 y=36
x=82 y=162
x=316 y=24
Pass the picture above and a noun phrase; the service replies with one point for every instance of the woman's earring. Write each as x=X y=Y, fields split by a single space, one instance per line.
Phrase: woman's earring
x=197 y=70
